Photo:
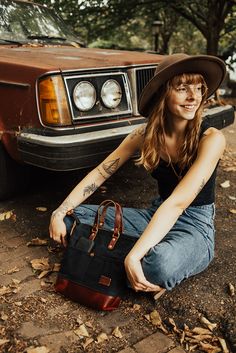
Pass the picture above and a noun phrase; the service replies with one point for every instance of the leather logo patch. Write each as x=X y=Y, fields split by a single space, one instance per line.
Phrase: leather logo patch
x=105 y=281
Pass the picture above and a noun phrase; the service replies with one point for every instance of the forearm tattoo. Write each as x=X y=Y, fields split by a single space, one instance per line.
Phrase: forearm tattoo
x=88 y=190
x=101 y=173
x=138 y=132
x=201 y=186
x=111 y=166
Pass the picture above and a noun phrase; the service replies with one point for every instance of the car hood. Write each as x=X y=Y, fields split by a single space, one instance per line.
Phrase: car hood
x=68 y=58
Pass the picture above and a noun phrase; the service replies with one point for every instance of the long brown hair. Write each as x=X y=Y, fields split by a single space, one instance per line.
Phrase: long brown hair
x=154 y=138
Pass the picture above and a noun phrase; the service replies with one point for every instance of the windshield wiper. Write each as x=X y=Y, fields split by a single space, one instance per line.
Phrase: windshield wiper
x=46 y=37
x=11 y=41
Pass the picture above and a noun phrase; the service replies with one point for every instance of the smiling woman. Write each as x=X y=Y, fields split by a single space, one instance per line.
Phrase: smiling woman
x=175 y=235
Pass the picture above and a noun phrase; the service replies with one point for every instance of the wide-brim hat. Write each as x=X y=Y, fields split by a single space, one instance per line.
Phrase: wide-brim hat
x=211 y=68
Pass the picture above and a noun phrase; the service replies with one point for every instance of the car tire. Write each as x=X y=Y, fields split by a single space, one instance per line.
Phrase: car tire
x=14 y=178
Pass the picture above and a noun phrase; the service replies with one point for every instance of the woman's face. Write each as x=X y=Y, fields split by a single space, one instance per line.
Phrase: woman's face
x=184 y=100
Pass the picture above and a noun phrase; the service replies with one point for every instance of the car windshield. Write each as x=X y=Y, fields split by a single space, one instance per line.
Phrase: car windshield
x=26 y=22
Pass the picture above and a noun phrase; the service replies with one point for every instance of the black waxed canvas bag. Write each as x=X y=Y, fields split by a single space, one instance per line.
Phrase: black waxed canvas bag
x=92 y=269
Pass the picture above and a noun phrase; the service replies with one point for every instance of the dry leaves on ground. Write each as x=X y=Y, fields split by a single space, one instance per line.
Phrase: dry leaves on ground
x=11 y=288
x=202 y=338
x=225 y=184
x=228 y=161
x=231 y=290
x=43 y=268
x=37 y=242
x=41 y=209
x=7 y=215
x=41 y=349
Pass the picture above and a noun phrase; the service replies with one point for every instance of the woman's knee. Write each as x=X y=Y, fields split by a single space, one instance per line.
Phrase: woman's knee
x=158 y=269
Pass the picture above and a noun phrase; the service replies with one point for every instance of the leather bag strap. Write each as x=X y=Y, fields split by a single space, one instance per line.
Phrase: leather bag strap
x=100 y=218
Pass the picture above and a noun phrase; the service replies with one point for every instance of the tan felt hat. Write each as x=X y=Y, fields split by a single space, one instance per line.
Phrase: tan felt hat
x=211 y=68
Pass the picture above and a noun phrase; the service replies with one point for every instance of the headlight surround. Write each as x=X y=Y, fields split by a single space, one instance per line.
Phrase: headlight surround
x=111 y=94
x=84 y=96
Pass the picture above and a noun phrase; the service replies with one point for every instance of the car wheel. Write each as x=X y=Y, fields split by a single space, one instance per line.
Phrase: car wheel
x=14 y=177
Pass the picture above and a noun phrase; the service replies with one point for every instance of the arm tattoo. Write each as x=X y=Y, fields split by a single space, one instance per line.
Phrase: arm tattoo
x=101 y=173
x=66 y=206
x=111 y=166
x=138 y=132
x=201 y=186
x=89 y=189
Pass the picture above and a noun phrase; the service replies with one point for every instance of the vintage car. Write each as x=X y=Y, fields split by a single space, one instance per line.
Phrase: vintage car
x=63 y=106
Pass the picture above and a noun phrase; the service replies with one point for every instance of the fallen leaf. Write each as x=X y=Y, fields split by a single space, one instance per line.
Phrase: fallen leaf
x=56 y=267
x=117 y=333
x=3 y=341
x=175 y=328
x=18 y=303
x=206 y=347
x=44 y=274
x=136 y=307
x=223 y=345
x=37 y=242
x=89 y=324
x=87 y=342
x=6 y=215
x=82 y=331
x=4 y=317
x=207 y=323
x=225 y=184
x=43 y=300
x=229 y=169
x=232 y=198
x=15 y=281
x=231 y=290
x=155 y=318
x=201 y=331
x=232 y=210
x=5 y=290
x=102 y=337
x=41 y=209
x=40 y=264
x=41 y=349
x=13 y=270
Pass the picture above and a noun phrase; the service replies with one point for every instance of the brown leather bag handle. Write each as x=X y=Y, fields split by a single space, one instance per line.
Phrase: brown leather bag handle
x=99 y=221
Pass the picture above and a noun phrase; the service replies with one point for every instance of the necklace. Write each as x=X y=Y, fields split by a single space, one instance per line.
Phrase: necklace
x=179 y=176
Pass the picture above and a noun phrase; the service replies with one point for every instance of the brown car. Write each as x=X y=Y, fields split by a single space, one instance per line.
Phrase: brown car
x=62 y=106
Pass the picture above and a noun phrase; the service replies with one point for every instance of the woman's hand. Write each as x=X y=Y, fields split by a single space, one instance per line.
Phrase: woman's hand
x=57 y=228
x=136 y=276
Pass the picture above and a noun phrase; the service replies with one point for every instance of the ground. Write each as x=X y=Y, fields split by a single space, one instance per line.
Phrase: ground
x=33 y=315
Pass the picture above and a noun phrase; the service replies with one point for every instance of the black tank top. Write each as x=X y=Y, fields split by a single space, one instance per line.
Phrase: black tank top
x=168 y=180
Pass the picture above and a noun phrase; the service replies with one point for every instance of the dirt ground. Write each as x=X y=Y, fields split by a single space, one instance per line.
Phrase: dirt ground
x=32 y=305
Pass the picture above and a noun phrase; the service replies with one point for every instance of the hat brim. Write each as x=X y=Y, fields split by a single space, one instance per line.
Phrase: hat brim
x=210 y=67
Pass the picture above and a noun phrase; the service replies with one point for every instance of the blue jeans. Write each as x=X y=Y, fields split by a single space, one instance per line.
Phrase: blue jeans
x=185 y=251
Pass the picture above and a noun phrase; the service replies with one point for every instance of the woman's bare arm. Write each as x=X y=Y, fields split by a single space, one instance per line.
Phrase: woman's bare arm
x=87 y=186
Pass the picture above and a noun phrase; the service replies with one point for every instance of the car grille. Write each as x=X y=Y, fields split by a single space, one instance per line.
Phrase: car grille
x=142 y=78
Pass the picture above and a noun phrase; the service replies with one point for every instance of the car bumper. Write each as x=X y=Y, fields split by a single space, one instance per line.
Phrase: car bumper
x=77 y=151
x=70 y=152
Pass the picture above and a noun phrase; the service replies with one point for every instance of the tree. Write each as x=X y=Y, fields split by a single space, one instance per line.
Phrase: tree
x=213 y=18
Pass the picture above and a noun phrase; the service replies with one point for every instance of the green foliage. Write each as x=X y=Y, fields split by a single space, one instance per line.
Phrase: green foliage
x=190 y=26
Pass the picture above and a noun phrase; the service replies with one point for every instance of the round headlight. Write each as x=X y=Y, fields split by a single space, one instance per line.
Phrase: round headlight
x=84 y=96
x=111 y=93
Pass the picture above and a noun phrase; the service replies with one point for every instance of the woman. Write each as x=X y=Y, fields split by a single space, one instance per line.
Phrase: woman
x=176 y=234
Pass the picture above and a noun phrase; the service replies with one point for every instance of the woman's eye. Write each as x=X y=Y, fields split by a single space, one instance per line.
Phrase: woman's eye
x=181 y=89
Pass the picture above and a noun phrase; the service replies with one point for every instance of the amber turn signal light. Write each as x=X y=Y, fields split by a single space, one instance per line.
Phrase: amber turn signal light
x=53 y=102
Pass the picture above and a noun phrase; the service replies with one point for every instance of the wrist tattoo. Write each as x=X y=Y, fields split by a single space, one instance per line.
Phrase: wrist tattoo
x=111 y=166
x=88 y=190
x=63 y=209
